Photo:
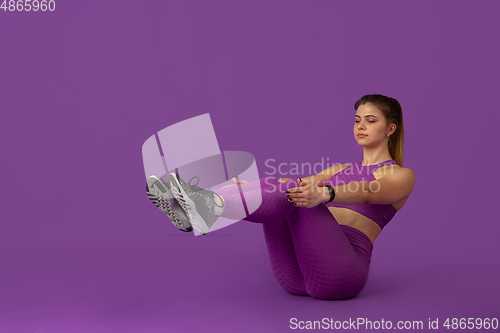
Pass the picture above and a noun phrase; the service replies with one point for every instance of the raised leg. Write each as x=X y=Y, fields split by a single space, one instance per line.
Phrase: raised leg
x=310 y=252
x=276 y=232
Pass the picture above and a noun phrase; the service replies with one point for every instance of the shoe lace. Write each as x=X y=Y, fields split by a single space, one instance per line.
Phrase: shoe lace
x=198 y=189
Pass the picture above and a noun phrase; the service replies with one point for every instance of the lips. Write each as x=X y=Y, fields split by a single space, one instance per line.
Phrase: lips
x=361 y=135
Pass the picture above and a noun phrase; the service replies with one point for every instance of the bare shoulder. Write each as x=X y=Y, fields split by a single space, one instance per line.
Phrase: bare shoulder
x=408 y=174
x=395 y=185
x=403 y=174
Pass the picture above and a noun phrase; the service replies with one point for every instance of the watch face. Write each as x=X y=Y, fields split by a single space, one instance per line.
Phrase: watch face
x=332 y=193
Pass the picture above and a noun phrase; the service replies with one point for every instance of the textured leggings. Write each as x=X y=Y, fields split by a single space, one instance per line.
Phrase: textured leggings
x=310 y=253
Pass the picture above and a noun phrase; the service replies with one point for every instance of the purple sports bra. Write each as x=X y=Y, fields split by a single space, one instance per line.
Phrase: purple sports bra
x=380 y=214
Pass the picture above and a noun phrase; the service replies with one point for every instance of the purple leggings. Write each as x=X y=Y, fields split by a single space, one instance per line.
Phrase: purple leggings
x=311 y=254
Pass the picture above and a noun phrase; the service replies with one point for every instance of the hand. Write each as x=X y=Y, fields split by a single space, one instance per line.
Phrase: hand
x=236 y=181
x=307 y=195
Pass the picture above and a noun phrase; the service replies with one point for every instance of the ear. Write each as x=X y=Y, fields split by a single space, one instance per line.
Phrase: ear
x=391 y=129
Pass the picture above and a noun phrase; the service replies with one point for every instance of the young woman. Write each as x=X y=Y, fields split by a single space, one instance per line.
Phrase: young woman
x=319 y=230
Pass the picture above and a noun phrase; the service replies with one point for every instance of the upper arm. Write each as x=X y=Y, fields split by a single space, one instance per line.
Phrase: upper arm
x=392 y=188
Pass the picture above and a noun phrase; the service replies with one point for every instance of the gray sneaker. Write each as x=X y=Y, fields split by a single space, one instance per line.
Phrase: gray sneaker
x=198 y=203
x=160 y=195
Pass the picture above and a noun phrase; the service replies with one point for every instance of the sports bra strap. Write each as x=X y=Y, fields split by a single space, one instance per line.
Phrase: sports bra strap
x=378 y=165
x=373 y=167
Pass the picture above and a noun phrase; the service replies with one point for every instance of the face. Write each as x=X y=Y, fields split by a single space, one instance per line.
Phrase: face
x=371 y=122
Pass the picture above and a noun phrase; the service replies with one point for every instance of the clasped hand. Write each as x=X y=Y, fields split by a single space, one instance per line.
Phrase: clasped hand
x=307 y=195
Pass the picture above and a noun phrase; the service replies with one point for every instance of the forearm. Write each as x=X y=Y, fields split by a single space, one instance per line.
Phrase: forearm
x=355 y=193
x=307 y=195
x=316 y=180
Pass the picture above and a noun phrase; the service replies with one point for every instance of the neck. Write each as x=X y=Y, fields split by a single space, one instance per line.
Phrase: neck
x=375 y=155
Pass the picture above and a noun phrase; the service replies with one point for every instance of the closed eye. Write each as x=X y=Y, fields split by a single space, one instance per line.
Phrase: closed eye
x=370 y=121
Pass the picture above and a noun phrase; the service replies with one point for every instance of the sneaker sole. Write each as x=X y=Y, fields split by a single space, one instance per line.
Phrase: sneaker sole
x=157 y=181
x=189 y=208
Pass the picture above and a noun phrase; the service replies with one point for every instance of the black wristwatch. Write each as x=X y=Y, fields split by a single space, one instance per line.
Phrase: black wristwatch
x=332 y=193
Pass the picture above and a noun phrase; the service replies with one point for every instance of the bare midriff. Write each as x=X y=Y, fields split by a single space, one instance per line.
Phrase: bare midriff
x=351 y=218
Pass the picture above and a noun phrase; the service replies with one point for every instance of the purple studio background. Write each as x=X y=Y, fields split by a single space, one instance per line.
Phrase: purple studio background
x=82 y=249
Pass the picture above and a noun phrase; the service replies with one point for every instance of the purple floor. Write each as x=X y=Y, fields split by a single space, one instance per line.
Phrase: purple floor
x=162 y=280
